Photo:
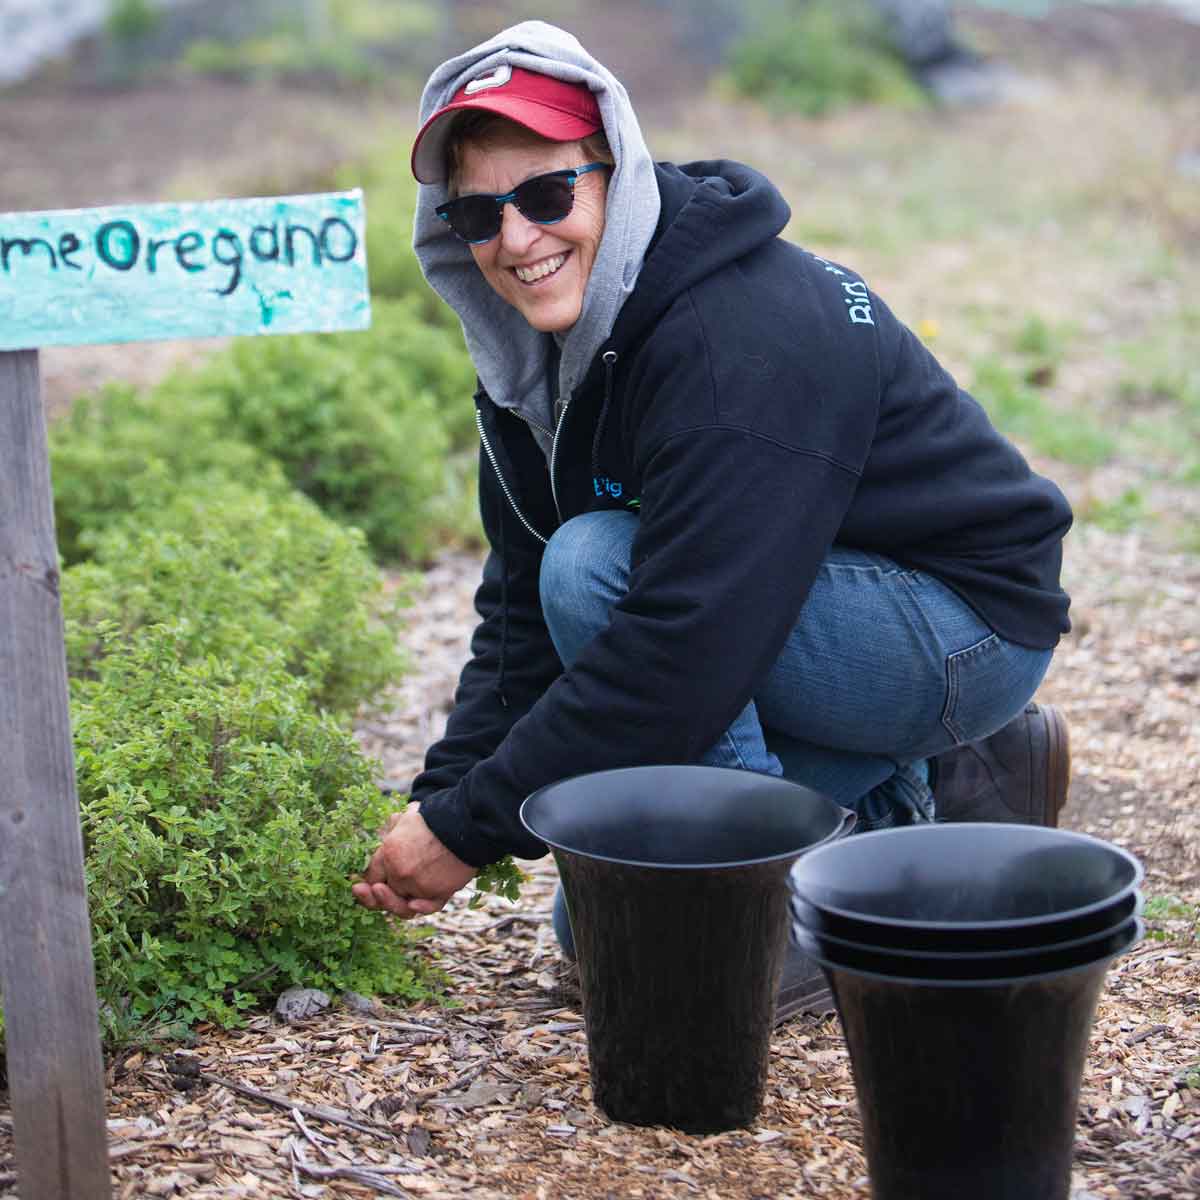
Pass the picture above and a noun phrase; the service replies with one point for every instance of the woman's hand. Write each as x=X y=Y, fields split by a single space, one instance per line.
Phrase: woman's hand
x=411 y=874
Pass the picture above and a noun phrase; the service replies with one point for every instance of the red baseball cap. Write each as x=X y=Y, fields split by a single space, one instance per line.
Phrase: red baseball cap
x=553 y=108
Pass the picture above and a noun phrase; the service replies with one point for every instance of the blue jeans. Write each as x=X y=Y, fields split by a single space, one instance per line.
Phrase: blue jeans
x=886 y=667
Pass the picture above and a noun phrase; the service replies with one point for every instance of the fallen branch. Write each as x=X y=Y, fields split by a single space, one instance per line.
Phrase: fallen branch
x=318 y=1112
x=314 y=1138
x=1143 y=1034
x=409 y=1027
x=371 y=1177
x=423 y=1097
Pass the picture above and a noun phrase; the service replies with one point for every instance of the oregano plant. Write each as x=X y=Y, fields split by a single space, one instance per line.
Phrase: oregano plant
x=224 y=821
x=237 y=571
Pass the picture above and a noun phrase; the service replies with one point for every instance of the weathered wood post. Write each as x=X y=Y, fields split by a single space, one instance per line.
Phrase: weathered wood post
x=55 y=1070
x=233 y=267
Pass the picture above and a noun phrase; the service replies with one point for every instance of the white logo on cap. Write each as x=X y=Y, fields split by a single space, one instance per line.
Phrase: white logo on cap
x=493 y=79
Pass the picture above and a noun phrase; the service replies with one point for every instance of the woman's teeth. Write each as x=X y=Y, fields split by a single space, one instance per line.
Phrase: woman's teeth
x=540 y=270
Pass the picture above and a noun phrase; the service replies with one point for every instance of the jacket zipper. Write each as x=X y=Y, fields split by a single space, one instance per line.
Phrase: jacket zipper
x=562 y=416
x=609 y=358
x=487 y=449
x=542 y=429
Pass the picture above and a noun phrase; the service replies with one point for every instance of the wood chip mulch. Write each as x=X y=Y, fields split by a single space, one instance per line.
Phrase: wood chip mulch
x=491 y=1098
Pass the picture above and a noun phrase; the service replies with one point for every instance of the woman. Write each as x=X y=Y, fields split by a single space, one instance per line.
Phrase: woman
x=737 y=513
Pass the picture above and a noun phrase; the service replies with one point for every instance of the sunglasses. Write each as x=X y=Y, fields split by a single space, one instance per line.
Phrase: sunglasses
x=544 y=199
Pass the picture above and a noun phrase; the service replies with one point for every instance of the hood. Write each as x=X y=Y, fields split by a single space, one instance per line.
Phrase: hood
x=514 y=362
x=712 y=213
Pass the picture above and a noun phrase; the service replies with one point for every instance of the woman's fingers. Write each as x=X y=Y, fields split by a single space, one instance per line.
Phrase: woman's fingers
x=405 y=907
x=390 y=824
x=411 y=874
x=380 y=896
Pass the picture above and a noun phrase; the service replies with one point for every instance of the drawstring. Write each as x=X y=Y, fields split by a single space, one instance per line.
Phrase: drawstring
x=503 y=610
x=609 y=358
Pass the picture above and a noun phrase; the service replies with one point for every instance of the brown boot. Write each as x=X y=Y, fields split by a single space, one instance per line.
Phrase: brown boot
x=1019 y=775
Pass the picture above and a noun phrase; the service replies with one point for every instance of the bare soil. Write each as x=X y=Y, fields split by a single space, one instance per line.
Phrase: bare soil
x=1152 y=45
x=490 y=1098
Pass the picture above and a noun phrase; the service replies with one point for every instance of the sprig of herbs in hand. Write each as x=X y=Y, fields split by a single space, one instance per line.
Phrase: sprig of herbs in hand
x=504 y=878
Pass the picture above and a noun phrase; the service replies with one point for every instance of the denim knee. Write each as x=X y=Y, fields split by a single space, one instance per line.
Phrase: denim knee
x=561 y=921
x=584 y=572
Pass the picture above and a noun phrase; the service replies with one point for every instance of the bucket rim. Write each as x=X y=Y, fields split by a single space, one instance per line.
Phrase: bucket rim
x=1002 y=953
x=844 y=825
x=926 y=829
x=1136 y=935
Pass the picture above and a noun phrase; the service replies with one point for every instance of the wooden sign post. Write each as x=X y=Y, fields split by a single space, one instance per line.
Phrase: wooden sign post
x=281 y=265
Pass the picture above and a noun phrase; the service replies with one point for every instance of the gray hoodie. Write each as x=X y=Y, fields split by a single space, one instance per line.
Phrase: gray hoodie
x=513 y=359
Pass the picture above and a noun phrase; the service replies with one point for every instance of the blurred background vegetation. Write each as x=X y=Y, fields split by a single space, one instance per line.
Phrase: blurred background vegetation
x=1020 y=181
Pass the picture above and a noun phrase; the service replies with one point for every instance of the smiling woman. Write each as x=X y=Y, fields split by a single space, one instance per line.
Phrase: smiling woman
x=539 y=267
x=719 y=479
x=520 y=196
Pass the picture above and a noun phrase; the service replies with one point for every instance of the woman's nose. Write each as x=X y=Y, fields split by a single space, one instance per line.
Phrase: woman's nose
x=517 y=233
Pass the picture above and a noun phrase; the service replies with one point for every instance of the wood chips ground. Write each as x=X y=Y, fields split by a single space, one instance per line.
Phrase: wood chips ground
x=491 y=1098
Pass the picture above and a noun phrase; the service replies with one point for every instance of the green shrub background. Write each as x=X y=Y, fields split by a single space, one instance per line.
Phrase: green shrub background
x=236 y=570
x=814 y=56
x=120 y=451
x=369 y=450
x=376 y=427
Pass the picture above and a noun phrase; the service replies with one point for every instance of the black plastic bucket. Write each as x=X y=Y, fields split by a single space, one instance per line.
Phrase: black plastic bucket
x=675 y=879
x=967 y=1064
x=966 y=887
x=969 y=1089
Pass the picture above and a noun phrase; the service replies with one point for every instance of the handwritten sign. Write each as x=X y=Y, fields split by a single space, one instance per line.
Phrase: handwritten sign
x=139 y=273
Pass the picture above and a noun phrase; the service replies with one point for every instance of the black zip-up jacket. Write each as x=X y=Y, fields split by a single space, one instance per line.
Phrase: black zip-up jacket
x=754 y=404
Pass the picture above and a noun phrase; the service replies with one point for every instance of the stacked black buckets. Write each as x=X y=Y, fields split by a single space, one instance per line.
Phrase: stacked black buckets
x=966 y=961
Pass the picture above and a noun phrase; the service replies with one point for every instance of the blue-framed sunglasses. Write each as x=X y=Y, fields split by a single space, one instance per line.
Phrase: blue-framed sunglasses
x=544 y=199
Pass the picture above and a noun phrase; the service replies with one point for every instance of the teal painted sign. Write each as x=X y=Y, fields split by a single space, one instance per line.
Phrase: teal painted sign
x=285 y=264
